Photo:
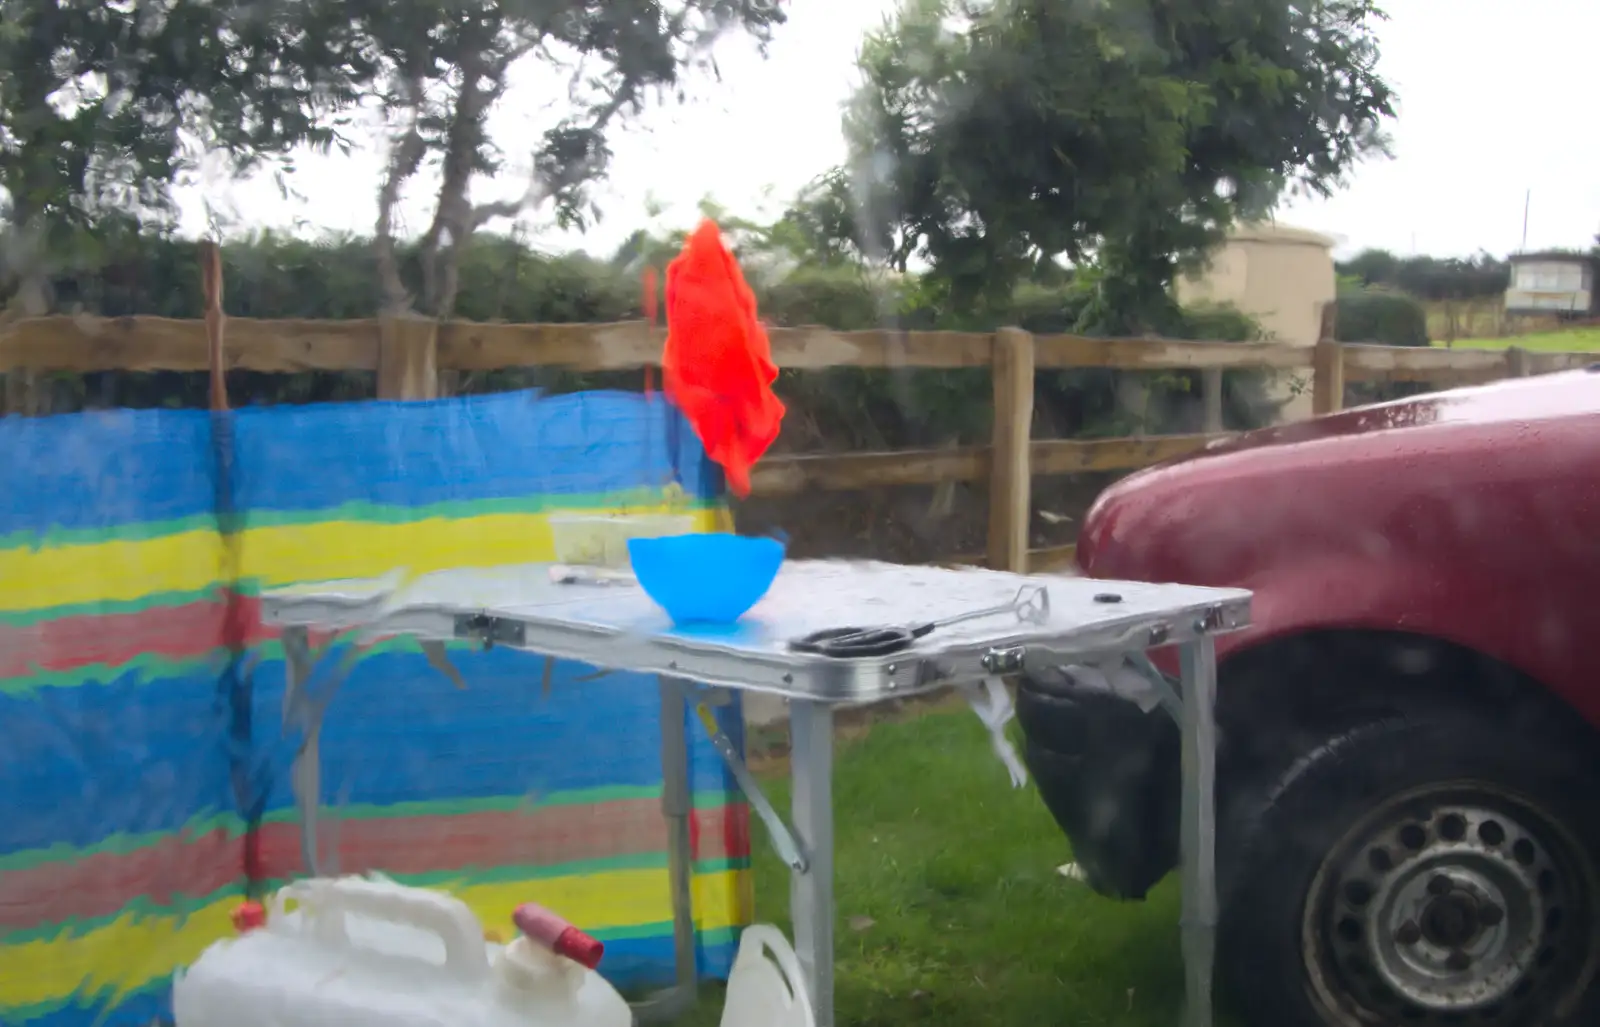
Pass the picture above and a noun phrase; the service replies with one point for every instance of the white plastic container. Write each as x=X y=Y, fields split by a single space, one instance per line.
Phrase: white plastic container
x=601 y=540
x=766 y=987
x=367 y=952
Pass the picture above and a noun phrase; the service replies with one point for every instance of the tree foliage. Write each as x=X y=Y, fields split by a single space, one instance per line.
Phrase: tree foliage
x=104 y=104
x=440 y=67
x=1430 y=278
x=1004 y=116
x=994 y=138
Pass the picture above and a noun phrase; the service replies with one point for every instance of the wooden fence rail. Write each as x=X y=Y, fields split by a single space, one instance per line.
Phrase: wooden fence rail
x=407 y=355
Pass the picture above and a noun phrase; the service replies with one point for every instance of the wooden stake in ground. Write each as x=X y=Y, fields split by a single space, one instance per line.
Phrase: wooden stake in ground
x=211 y=284
x=233 y=626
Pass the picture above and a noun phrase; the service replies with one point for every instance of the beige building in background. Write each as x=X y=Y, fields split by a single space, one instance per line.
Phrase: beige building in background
x=1280 y=275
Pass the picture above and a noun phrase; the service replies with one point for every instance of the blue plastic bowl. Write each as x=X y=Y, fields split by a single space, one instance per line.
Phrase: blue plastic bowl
x=705 y=578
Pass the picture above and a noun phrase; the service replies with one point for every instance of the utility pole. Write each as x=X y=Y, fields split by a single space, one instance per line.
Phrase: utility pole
x=1527 y=201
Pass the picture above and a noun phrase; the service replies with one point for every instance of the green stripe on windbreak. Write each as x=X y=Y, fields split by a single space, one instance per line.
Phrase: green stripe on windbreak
x=702 y=800
x=463 y=509
x=358 y=510
x=120 y=844
x=108 y=607
x=151 y=668
x=468 y=877
x=459 y=807
x=56 y=537
x=663 y=928
x=156 y=667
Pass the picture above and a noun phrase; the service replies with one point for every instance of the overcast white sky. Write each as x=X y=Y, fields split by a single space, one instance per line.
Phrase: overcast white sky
x=1496 y=100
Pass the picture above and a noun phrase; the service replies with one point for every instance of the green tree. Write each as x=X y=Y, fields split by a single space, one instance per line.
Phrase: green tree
x=104 y=105
x=442 y=67
x=1431 y=278
x=994 y=138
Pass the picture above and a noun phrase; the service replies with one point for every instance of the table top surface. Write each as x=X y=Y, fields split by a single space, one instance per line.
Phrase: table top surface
x=616 y=625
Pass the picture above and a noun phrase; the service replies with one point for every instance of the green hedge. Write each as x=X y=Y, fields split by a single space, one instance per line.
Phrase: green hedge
x=1381 y=316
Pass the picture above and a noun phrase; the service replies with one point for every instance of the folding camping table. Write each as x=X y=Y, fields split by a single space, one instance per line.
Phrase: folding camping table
x=616 y=627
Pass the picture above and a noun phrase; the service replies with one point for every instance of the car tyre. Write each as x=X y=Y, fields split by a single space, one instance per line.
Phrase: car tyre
x=1426 y=869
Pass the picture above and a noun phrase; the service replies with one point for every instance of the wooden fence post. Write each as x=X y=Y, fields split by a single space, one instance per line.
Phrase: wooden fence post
x=22 y=388
x=1211 y=399
x=216 y=321
x=1327 y=365
x=1010 y=468
x=1327 y=378
x=408 y=364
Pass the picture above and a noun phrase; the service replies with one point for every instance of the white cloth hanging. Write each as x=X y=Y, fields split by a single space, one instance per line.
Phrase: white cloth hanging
x=991 y=701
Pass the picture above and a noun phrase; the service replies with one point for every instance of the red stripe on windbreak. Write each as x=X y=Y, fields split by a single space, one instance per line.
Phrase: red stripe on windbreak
x=547 y=836
x=100 y=884
x=195 y=866
x=735 y=830
x=189 y=631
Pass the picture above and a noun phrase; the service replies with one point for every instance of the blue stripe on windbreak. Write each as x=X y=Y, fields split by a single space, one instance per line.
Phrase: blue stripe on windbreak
x=399 y=732
x=103 y=469
x=516 y=445
x=132 y=754
x=136 y=755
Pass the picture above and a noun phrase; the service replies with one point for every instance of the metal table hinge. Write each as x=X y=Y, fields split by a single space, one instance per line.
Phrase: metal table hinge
x=1004 y=661
x=491 y=631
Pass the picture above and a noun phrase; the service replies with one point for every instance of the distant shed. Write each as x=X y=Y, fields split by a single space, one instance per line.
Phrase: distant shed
x=1281 y=275
x=1552 y=283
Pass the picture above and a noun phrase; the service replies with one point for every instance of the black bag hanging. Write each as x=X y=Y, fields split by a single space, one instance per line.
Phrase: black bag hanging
x=1109 y=774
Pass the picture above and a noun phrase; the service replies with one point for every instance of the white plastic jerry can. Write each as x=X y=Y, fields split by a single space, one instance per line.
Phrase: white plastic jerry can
x=766 y=987
x=364 y=951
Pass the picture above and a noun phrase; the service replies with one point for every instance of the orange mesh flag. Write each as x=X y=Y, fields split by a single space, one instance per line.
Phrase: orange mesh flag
x=718 y=366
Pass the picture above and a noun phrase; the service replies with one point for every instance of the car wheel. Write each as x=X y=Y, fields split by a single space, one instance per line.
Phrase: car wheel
x=1420 y=871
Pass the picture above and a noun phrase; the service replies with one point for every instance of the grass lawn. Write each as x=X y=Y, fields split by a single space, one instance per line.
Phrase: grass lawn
x=1575 y=340
x=949 y=907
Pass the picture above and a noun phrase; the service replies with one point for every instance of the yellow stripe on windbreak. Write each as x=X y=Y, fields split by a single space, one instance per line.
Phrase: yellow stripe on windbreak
x=111 y=960
x=620 y=898
x=34 y=579
x=121 y=571
x=130 y=952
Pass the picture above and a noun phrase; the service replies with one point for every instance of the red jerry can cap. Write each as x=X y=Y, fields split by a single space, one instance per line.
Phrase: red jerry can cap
x=551 y=931
x=247 y=916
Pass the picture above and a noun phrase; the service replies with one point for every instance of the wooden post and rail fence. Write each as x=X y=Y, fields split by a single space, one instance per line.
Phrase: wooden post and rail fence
x=408 y=355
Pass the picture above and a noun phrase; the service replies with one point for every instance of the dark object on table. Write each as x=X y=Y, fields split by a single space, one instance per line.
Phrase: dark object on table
x=1032 y=605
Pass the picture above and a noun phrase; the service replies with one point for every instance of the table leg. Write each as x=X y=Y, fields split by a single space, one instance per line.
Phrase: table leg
x=677 y=801
x=305 y=774
x=1198 y=661
x=811 y=890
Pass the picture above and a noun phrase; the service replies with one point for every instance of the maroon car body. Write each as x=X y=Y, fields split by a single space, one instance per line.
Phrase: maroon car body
x=1423 y=666
x=1471 y=516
